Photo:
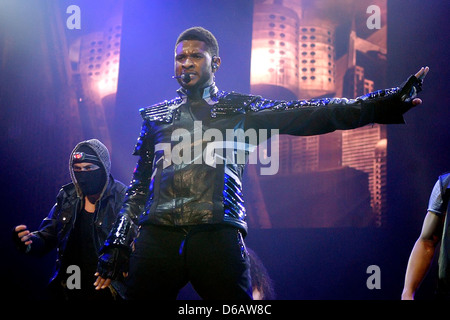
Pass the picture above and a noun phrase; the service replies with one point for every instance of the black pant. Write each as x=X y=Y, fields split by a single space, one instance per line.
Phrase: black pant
x=212 y=258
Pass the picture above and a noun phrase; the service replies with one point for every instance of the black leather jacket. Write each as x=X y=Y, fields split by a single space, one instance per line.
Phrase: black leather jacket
x=182 y=193
x=55 y=229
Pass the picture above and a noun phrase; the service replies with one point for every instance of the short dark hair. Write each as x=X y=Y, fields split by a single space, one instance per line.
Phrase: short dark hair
x=200 y=34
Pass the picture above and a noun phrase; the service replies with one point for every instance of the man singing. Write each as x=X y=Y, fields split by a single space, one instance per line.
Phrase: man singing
x=190 y=209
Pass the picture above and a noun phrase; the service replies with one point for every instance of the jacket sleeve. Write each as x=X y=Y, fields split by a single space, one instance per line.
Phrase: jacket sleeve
x=125 y=228
x=318 y=116
x=440 y=195
x=45 y=238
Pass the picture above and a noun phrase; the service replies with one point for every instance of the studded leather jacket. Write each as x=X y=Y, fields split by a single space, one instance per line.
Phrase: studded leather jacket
x=179 y=181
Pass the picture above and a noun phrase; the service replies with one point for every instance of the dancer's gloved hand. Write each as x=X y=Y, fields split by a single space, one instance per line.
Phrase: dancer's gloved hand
x=112 y=262
x=21 y=237
x=413 y=86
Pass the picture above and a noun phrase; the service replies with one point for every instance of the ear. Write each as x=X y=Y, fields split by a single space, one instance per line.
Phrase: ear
x=215 y=63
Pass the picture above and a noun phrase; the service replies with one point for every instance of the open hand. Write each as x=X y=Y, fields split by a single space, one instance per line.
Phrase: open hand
x=421 y=74
x=24 y=234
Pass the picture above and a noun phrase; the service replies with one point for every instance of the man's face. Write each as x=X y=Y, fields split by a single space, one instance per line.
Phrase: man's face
x=192 y=57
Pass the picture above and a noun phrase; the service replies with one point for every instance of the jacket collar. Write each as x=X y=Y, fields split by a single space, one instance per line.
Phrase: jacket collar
x=209 y=94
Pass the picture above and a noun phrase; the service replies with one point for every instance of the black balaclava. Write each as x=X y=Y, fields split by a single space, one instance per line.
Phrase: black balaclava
x=90 y=182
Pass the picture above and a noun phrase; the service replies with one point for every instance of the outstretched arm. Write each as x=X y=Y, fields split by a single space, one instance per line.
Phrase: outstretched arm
x=318 y=116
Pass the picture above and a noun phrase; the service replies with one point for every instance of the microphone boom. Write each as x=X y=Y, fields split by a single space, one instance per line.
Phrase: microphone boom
x=185 y=77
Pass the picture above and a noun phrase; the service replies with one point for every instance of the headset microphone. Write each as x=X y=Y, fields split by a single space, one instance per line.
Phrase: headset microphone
x=185 y=77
